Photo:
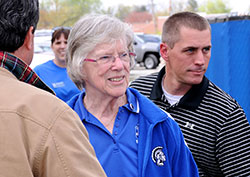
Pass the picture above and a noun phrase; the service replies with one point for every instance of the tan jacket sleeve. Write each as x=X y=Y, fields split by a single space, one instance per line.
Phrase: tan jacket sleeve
x=66 y=150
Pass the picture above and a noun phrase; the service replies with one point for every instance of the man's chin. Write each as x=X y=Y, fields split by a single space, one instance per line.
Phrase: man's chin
x=196 y=81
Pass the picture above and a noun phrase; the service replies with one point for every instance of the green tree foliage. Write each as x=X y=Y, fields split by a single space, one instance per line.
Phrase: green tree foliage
x=177 y=6
x=214 y=6
x=123 y=11
x=164 y=12
x=109 y=10
x=65 y=12
x=140 y=8
x=192 y=6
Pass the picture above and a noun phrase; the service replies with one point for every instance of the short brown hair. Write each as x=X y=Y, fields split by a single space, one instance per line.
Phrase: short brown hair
x=171 y=27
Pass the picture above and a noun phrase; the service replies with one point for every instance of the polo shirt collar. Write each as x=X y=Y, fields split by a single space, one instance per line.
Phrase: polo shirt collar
x=157 y=92
x=190 y=100
x=132 y=104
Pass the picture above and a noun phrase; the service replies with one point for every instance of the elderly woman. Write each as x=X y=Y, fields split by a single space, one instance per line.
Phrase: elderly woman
x=131 y=136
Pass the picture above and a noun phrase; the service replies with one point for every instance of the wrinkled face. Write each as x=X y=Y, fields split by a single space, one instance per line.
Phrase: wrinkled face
x=187 y=61
x=107 y=79
x=59 y=48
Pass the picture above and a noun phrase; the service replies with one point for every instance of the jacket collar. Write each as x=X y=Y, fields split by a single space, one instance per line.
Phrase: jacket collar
x=137 y=103
x=190 y=100
x=21 y=71
x=147 y=108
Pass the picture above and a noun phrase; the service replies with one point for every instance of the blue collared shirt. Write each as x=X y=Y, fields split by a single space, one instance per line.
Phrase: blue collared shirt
x=117 y=152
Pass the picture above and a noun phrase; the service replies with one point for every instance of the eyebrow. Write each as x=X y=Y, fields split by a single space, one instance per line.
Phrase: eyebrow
x=209 y=46
x=193 y=47
x=189 y=47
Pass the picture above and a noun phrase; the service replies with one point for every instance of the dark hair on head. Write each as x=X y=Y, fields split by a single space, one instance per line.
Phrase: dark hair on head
x=172 y=26
x=58 y=32
x=16 y=17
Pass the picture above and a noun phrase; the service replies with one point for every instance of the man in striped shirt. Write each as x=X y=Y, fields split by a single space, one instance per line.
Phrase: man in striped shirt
x=213 y=123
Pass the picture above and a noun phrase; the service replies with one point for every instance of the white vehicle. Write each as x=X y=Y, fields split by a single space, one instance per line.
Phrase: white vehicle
x=42 y=51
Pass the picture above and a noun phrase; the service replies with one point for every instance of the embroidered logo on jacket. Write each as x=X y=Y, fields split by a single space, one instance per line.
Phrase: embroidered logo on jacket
x=158 y=156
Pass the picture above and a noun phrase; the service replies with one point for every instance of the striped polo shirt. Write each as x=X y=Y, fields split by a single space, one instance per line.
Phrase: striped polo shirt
x=213 y=124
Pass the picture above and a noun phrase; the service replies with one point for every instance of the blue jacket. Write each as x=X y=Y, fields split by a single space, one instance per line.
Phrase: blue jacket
x=162 y=150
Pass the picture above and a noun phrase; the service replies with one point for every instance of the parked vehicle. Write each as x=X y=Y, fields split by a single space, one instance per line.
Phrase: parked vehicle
x=43 y=33
x=42 y=51
x=150 y=37
x=147 y=51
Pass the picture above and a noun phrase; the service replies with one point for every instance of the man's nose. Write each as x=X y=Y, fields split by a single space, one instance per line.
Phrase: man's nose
x=200 y=58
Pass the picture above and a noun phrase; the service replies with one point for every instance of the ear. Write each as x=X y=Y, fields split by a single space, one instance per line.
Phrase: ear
x=25 y=52
x=29 y=39
x=164 y=51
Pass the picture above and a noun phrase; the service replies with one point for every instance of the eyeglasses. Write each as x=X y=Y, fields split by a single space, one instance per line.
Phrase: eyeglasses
x=108 y=59
x=60 y=29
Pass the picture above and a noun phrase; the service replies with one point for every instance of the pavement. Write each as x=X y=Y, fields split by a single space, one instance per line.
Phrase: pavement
x=138 y=71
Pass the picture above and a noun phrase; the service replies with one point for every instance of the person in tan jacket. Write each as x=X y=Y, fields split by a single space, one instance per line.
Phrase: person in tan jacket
x=40 y=136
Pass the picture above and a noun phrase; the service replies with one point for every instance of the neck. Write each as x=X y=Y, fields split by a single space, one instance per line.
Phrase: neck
x=60 y=63
x=23 y=54
x=107 y=110
x=108 y=104
x=175 y=88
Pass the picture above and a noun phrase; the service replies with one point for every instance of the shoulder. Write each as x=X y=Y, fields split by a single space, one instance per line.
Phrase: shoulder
x=143 y=101
x=72 y=102
x=216 y=94
x=43 y=66
x=31 y=103
x=148 y=109
x=152 y=114
x=145 y=80
x=220 y=104
x=151 y=111
x=144 y=84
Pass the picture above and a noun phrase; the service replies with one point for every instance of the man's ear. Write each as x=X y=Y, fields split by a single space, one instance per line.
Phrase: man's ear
x=29 y=39
x=25 y=52
x=164 y=51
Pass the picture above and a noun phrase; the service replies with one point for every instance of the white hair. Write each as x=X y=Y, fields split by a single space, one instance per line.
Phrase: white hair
x=88 y=32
